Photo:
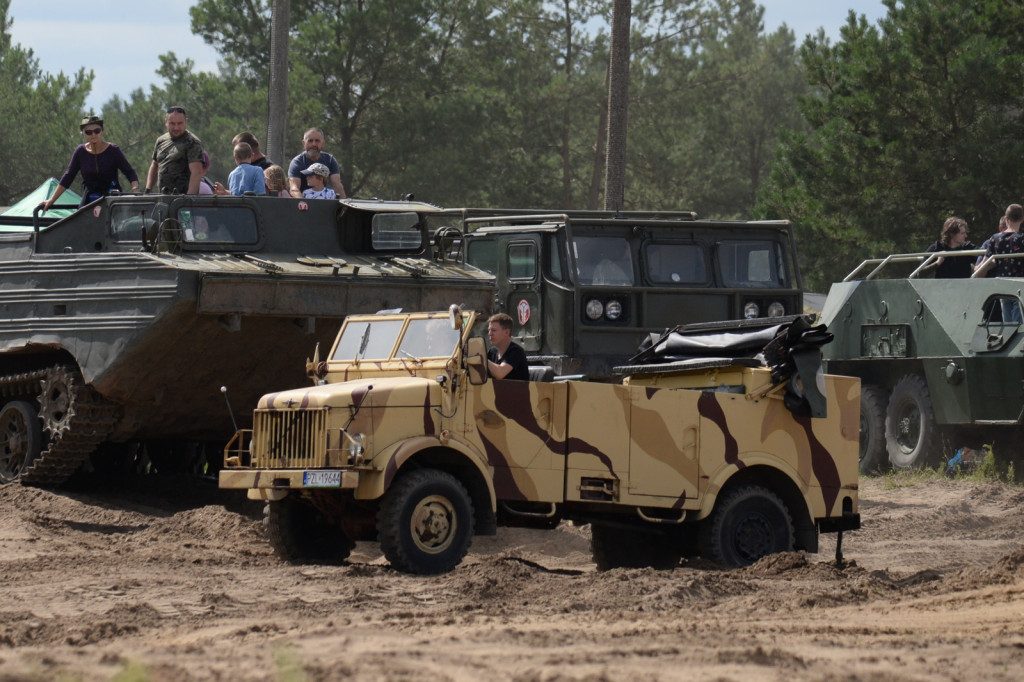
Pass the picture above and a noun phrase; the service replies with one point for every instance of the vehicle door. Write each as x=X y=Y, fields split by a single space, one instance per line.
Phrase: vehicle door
x=664 y=445
x=515 y=262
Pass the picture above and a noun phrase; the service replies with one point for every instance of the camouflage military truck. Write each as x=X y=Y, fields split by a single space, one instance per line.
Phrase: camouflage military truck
x=405 y=439
x=121 y=322
x=939 y=359
x=586 y=286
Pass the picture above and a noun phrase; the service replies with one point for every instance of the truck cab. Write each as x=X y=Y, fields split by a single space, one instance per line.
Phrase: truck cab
x=585 y=287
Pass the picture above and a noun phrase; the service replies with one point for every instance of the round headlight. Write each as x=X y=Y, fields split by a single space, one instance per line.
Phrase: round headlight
x=751 y=310
x=776 y=309
x=594 y=309
x=613 y=310
x=355 y=446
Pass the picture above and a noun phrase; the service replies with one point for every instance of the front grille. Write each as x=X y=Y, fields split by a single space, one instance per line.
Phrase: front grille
x=290 y=439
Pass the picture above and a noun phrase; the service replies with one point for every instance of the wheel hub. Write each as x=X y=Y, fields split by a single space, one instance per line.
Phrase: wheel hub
x=433 y=524
x=754 y=538
x=14 y=440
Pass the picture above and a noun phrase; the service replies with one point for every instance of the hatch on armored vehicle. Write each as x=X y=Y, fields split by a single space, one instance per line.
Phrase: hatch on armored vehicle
x=939 y=360
x=122 y=322
x=586 y=286
x=703 y=447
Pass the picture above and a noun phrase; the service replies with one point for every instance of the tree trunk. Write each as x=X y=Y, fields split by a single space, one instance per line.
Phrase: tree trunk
x=618 y=101
x=277 y=116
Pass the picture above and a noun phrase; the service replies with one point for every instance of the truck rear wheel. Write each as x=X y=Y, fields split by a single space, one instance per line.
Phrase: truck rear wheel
x=426 y=522
x=911 y=436
x=873 y=454
x=747 y=524
x=617 y=547
x=21 y=439
x=299 y=533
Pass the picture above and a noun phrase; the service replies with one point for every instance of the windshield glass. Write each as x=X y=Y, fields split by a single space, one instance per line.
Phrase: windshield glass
x=394 y=231
x=368 y=340
x=219 y=225
x=751 y=264
x=603 y=261
x=433 y=338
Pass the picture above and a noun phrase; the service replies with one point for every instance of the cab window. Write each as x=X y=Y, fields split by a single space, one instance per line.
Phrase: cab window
x=755 y=264
x=675 y=263
x=218 y=225
x=396 y=231
x=483 y=254
x=522 y=261
x=127 y=222
x=603 y=261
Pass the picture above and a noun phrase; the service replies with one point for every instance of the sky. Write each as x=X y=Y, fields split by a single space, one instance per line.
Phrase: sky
x=122 y=41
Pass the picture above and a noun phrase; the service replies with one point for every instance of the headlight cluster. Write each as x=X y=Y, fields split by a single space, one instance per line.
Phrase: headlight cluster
x=355 y=446
x=611 y=309
x=752 y=310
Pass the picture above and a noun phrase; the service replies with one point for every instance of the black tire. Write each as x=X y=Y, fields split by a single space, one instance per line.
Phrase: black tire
x=21 y=439
x=873 y=453
x=912 y=438
x=426 y=522
x=299 y=533
x=616 y=547
x=747 y=524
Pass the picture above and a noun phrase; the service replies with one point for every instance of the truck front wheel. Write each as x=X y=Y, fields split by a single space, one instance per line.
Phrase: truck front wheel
x=425 y=522
x=747 y=524
x=299 y=533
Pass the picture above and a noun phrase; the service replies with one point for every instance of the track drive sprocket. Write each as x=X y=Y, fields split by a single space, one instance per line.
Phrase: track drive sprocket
x=56 y=401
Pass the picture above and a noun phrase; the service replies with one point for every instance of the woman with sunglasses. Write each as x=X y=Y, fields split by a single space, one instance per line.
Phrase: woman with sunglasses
x=98 y=161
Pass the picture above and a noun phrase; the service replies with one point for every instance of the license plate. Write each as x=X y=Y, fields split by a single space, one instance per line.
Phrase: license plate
x=321 y=479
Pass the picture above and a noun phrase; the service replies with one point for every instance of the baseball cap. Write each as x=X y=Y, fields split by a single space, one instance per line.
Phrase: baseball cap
x=317 y=169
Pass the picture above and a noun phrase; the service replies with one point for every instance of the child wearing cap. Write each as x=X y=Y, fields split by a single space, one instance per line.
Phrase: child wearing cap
x=316 y=177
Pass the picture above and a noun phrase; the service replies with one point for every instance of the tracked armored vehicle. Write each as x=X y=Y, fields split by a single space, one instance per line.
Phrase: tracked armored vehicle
x=120 y=323
x=940 y=360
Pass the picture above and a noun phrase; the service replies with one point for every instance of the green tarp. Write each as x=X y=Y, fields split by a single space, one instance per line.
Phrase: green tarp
x=65 y=206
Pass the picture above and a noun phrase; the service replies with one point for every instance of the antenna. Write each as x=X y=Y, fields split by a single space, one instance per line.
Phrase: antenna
x=224 y=390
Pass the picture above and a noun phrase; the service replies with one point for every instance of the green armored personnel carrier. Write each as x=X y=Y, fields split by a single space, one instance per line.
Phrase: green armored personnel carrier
x=120 y=323
x=940 y=360
x=405 y=439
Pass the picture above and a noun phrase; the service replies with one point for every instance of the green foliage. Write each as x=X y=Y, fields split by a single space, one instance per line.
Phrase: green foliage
x=911 y=122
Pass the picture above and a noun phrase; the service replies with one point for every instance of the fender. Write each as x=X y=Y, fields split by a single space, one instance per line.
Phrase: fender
x=373 y=484
x=716 y=480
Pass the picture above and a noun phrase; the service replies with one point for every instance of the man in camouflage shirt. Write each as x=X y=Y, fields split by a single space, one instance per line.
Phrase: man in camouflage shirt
x=177 y=163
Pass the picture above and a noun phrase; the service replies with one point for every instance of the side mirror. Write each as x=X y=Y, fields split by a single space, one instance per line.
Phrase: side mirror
x=475 y=359
x=455 y=316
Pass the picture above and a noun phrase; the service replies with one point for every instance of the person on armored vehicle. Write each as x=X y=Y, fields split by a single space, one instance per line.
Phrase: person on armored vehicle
x=177 y=157
x=98 y=161
x=953 y=238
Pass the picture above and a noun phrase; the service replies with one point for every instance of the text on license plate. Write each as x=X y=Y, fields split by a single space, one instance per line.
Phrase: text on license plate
x=321 y=479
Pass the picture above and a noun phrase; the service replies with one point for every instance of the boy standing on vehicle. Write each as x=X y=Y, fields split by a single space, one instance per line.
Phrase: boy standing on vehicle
x=506 y=359
x=246 y=177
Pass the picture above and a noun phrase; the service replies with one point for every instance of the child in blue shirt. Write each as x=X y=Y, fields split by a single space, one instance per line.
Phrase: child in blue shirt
x=246 y=177
x=316 y=177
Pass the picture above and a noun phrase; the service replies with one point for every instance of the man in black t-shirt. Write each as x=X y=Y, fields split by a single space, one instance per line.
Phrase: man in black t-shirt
x=506 y=359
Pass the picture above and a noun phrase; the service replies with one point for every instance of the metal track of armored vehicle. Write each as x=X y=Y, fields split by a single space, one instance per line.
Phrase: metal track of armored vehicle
x=939 y=359
x=120 y=323
x=585 y=287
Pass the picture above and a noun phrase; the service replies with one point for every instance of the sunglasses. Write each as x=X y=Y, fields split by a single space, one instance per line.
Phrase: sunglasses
x=175 y=110
x=94 y=131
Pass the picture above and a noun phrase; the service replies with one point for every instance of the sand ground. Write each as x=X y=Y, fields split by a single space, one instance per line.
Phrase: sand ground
x=156 y=578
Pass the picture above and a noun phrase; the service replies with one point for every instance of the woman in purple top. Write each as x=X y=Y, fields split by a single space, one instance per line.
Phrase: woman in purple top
x=98 y=161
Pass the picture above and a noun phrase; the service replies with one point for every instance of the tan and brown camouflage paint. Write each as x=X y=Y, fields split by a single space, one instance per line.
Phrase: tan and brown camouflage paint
x=658 y=441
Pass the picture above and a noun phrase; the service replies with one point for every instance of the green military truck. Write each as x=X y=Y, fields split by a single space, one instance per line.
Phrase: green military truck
x=405 y=439
x=939 y=359
x=585 y=286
